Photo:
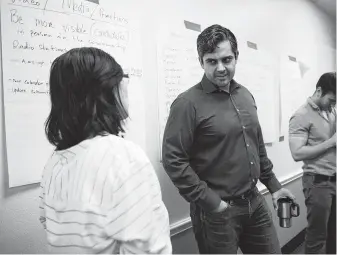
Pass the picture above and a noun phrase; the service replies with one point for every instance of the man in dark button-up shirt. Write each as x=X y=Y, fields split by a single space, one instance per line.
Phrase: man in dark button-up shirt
x=213 y=151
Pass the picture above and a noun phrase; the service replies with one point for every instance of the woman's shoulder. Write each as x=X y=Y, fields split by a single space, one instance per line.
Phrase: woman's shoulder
x=120 y=147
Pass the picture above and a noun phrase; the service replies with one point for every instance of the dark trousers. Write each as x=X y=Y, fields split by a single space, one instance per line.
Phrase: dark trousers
x=247 y=224
x=320 y=200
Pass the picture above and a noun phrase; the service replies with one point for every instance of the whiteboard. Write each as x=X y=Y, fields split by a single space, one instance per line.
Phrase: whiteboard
x=292 y=91
x=256 y=69
x=34 y=33
x=178 y=67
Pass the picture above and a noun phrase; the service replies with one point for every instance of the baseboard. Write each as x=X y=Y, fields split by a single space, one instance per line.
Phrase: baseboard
x=294 y=243
x=180 y=226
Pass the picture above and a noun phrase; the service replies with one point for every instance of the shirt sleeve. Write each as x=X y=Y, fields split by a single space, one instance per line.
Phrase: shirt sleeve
x=298 y=127
x=138 y=218
x=41 y=206
x=267 y=176
x=177 y=144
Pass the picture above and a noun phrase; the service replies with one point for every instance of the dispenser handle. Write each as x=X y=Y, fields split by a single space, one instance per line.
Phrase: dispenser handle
x=295 y=209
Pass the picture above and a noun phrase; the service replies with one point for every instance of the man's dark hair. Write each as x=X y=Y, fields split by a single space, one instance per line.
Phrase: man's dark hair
x=209 y=39
x=327 y=82
x=85 y=98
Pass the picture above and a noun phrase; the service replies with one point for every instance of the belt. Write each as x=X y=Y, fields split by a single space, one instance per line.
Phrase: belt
x=321 y=177
x=248 y=194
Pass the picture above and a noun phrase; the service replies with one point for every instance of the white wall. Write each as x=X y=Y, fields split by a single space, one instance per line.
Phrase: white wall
x=293 y=26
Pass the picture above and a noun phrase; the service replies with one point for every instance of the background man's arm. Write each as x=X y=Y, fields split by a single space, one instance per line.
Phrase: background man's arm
x=298 y=139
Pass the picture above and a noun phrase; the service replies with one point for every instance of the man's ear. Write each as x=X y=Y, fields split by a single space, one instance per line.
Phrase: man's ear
x=237 y=56
x=201 y=62
x=319 y=92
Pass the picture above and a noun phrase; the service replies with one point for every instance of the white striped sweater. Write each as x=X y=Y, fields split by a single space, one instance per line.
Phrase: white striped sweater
x=103 y=196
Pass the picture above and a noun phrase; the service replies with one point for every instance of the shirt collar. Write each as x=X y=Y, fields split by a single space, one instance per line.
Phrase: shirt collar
x=315 y=107
x=312 y=104
x=209 y=87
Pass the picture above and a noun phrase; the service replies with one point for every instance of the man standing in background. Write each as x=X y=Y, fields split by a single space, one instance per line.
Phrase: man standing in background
x=214 y=153
x=312 y=139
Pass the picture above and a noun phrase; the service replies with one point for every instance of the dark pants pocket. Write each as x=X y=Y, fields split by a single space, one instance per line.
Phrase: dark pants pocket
x=198 y=230
x=213 y=232
x=220 y=233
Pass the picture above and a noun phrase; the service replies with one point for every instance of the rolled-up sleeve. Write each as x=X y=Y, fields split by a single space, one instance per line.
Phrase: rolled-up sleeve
x=177 y=143
x=298 y=127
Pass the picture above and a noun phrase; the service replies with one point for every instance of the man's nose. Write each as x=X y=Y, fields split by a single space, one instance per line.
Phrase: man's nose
x=221 y=67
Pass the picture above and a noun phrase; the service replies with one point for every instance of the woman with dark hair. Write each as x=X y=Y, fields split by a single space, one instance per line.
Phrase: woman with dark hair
x=99 y=192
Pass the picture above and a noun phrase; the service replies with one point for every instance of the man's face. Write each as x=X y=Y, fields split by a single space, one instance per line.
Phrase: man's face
x=219 y=66
x=327 y=102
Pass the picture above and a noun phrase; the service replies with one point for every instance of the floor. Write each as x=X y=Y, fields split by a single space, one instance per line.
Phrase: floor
x=299 y=250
